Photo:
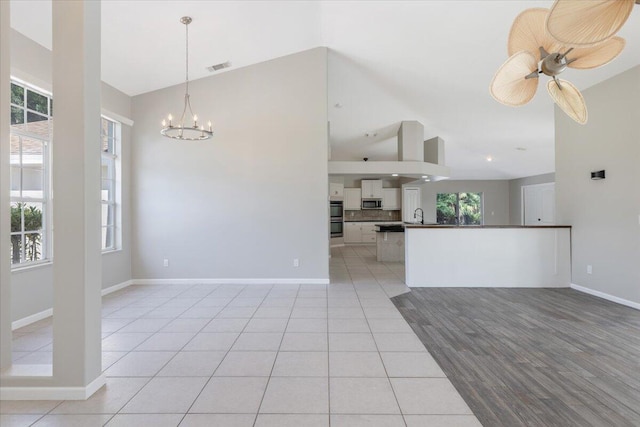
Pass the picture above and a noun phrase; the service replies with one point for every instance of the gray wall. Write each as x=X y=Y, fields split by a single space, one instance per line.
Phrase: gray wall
x=32 y=288
x=247 y=202
x=495 y=199
x=604 y=214
x=515 y=194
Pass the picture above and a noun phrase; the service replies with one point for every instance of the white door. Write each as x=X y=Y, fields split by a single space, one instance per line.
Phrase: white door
x=410 y=202
x=539 y=204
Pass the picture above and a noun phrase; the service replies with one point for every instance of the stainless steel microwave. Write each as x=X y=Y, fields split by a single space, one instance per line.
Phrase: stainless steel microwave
x=372 y=204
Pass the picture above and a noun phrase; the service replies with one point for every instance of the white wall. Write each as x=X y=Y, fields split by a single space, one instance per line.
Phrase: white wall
x=32 y=288
x=495 y=199
x=515 y=194
x=245 y=203
x=604 y=214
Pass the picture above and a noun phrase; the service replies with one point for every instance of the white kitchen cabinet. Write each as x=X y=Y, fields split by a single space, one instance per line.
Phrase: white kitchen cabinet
x=368 y=232
x=336 y=190
x=352 y=232
x=371 y=189
x=359 y=232
x=391 y=199
x=352 y=199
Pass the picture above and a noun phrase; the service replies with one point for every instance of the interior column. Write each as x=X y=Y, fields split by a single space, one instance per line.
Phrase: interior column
x=76 y=195
x=5 y=224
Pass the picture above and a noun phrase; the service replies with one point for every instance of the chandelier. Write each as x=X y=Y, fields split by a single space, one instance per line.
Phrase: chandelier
x=180 y=130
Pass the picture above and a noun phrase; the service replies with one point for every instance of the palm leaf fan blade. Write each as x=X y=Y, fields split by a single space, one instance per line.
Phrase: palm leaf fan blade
x=509 y=85
x=528 y=33
x=596 y=56
x=569 y=99
x=583 y=23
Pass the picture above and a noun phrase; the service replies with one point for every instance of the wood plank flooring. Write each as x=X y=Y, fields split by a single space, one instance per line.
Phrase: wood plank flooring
x=533 y=357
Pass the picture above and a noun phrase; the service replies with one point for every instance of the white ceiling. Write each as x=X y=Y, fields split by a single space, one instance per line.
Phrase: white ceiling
x=430 y=61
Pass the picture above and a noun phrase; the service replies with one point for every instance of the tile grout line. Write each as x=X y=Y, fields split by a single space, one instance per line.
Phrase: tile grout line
x=226 y=354
x=276 y=358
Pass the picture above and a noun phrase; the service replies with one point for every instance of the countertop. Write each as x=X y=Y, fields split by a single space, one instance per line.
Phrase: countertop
x=443 y=226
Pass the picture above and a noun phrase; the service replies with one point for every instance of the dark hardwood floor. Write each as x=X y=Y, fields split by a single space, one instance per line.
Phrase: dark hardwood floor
x=533 y=357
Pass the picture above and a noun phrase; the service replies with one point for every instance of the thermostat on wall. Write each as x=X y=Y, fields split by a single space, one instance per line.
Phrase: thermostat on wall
x=597 y=175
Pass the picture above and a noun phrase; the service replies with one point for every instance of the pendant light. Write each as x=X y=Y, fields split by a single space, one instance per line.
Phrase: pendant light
x=182 y=131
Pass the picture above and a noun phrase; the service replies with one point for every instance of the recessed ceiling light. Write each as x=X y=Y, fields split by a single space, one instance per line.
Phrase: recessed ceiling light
x=521 y=149
x=425 y=176
x=427 y=179
x=394 y=174
x=489 y=159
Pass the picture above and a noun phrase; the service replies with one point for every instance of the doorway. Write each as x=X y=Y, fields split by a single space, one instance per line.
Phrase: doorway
x=539 y=204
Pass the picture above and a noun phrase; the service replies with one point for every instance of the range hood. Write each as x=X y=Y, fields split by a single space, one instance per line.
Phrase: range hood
x=416 y=157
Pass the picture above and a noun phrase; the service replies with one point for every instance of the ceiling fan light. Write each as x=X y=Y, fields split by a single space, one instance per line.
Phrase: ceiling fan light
x=569 y=99
x=580 y=23
x=596 y=56
x=509 y=85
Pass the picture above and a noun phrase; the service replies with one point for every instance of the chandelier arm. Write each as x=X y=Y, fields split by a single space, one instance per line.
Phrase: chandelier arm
x=187 y=55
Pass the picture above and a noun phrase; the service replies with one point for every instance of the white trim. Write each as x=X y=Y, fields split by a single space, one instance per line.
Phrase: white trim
x=25 y=321
x=31 y=319
x=53 y=393
x=115 y=117
x=111 y=289
x=230 y=281
x=606 y=296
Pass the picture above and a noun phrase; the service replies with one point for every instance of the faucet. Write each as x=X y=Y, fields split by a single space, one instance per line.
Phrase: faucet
x=415 y=215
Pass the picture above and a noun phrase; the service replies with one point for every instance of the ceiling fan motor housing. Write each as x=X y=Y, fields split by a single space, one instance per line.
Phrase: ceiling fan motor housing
x=554 y=64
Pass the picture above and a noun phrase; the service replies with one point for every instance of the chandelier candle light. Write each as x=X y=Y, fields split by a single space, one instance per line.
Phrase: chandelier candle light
x=180 y=131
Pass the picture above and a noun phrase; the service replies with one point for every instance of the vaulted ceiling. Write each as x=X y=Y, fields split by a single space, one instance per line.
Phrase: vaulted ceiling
x=430 y=61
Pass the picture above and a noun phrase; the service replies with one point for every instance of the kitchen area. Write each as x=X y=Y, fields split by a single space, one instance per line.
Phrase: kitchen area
x=369 y=212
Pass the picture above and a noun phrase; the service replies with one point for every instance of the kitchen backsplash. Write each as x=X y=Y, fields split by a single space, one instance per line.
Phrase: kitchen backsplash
x=372 y=215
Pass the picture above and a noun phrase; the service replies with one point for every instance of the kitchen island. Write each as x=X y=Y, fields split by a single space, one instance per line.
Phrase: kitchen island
x=487 y=256
x=390 y=242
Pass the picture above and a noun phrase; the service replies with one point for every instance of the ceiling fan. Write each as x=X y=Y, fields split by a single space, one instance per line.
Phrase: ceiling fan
x=533 y=52
x=581 y=23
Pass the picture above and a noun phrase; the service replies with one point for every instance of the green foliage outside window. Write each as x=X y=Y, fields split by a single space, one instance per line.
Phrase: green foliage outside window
x=459 y=208
x=32 y=222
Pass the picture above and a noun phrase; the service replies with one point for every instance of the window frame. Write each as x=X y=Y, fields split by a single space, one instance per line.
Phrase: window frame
x=46 y=200
x=457 y=207
x=113 y=204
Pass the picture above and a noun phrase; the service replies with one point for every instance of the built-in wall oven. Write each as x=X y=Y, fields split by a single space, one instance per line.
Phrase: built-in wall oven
x=335 y=213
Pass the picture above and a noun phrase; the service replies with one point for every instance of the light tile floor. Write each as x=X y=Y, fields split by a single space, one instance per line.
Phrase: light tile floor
x=233 y=355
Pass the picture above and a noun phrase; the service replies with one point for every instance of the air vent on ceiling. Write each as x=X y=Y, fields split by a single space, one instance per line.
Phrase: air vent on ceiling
x=219 y=67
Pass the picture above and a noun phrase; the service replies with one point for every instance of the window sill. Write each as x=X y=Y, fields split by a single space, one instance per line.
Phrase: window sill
x=27 y=268
x=111 y=251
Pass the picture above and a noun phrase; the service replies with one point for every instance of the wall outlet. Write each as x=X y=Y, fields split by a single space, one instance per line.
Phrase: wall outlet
x=589 y=269
x=389 y=213
x=165 y=262
x=296 y=262
x=352 y=214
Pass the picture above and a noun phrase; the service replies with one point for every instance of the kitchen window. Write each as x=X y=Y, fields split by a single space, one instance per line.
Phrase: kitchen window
x=459 y=208
x=110 y=194
x=30 y=197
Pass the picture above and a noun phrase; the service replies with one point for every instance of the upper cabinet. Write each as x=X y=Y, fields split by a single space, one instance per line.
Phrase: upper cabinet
x=372 y=189
x=352 y=199
x=391 y=199
x=336 y=190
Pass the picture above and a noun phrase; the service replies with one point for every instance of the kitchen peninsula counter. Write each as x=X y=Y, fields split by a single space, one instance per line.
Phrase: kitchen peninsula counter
x=487 y=256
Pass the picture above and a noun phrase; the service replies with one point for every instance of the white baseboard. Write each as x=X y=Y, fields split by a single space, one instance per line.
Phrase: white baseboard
x=230 y=281
x=31 y=319
x=606 y=296
x=25 y=321
x=52 y=393
x=111 y=289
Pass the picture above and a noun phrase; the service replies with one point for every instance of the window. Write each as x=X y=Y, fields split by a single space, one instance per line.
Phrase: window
x=31 y=124
x=110 y=178
x=459 y=208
